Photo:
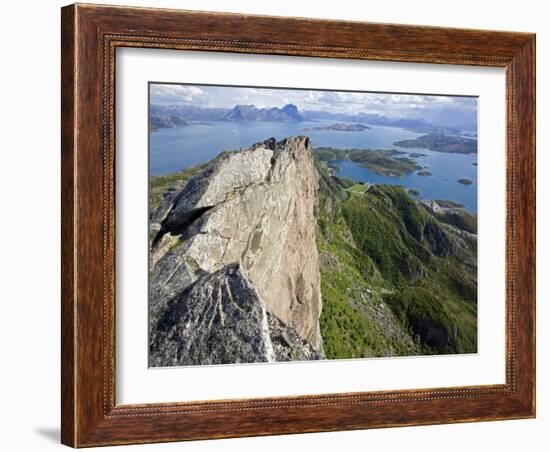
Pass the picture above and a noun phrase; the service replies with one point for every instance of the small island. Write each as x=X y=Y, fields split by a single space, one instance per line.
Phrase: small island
x=413 y=192
x=386 y=162
x=339 y=127
x=380 y=163
x=424 y=173
x=415 y=155
x=465 y=181
x=439 y=142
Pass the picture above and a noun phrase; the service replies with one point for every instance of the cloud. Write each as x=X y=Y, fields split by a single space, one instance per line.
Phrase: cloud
x=175 y=94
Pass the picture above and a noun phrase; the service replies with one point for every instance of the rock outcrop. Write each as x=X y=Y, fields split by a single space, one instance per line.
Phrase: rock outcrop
x=234 y=264
x=218 y=319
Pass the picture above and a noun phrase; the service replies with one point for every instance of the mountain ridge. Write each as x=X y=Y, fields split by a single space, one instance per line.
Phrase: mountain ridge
x=263 y=255
x=289 y=112
x=274 y=114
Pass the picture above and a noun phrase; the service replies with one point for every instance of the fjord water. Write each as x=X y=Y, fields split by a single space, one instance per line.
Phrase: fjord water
x=181 y=147
x=172 y=150
x=446 y=169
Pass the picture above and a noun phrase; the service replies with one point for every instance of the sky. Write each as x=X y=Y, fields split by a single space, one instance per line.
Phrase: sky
x=440 y=110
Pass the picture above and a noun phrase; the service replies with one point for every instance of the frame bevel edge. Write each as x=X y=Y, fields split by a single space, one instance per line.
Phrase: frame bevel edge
x=68 y=211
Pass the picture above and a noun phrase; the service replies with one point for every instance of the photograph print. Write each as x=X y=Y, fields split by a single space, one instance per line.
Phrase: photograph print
x=296 y=225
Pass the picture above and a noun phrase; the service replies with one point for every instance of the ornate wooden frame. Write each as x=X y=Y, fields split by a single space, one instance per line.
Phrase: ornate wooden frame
x=90 y=35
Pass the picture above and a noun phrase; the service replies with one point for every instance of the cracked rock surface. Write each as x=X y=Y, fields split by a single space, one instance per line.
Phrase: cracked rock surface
x=234 y=273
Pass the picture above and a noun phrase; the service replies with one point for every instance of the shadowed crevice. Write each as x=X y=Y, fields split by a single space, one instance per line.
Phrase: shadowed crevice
x=182 y=226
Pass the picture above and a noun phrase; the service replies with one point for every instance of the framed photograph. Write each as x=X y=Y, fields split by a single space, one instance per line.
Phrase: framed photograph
x=282 y=225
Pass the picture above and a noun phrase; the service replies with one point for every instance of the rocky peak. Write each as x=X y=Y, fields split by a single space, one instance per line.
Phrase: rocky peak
x=251 y=211
x=252 y=113
x=292 y=110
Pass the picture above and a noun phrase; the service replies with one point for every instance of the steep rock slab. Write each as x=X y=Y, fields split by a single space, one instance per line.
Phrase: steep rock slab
x=219 y=319
x=254 y=207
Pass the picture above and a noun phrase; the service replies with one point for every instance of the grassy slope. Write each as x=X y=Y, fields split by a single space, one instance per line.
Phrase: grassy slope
x=355 y=321
x=386 y=280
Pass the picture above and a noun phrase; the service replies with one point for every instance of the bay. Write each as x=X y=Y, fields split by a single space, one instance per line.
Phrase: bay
x=172 y=150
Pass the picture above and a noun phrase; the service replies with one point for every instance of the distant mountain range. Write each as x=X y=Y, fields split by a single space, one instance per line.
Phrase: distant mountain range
x=166 y=121
x=415 y=124
x=166 y=116
x=251 y=113
x=187 y=112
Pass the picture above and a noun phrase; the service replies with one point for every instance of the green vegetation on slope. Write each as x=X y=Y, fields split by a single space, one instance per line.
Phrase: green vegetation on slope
x=159 y=185
x=462 y=220
x=449 y=204
x=359 y=188
x=325 y=154
x=397 y=279
x=355 y=322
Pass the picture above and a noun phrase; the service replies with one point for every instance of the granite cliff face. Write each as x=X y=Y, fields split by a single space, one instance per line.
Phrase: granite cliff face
x=234 y=264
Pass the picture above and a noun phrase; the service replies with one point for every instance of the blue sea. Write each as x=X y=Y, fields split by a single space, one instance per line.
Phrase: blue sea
x=172 y=150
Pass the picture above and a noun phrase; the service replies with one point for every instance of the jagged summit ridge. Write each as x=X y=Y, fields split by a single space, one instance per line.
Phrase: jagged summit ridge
x=254 y=209
x=252 y=113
